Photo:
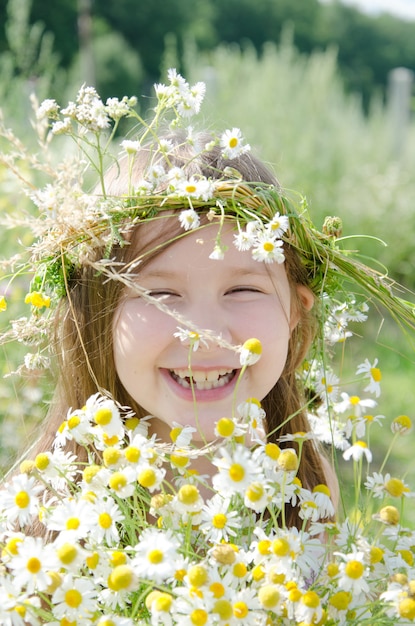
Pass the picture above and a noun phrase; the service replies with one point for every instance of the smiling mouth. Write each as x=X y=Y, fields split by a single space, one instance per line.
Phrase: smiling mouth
x=202 y=380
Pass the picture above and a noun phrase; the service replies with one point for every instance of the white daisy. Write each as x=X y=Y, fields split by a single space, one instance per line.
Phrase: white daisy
x=105 y=517
x=373 y=373
x=19 y=499
x=72 y=518
x=189 y=219
x=236 y=471
x=75 y=599
x=352 y=574
x=155 y=555
x=357 y=451
x=278 y=225
x=33 y=564
x=268 y=250
x=219 y=521
x=354 y=404
x=232 y=144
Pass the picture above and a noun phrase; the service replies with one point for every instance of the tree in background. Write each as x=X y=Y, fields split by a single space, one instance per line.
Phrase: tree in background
x=368 y=46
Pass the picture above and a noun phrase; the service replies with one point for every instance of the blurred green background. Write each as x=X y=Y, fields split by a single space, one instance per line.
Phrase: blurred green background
x=315 y=88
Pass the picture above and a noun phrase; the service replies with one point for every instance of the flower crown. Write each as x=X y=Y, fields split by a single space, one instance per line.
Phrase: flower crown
x=72 y=223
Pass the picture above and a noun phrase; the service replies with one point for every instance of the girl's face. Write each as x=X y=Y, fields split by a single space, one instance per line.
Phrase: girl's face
x=236 y=298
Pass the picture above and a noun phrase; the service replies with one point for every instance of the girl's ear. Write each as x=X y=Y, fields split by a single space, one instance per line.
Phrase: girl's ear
x=304 y=300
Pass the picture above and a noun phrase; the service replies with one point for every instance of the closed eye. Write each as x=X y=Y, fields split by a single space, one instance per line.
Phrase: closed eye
x=244 y=289
x=162 y=294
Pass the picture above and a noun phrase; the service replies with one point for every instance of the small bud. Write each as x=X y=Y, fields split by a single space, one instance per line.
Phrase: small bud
x=333 y=226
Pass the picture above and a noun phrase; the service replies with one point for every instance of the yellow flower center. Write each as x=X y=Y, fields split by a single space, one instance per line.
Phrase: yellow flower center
x=33 y=565
x=73 y=598
x=163 y=602
x=376 y=554
x=155 y=556
x=72 y=523
x=236 y=472
x=402 y=423
x=269 y=596
x=42 y=461
x=254 y=492
x=407 y=609
x=389 y=515
x=239 y=570
x=190 y=189
x=199 y=617
x=280 y=547
x=219 y=520
x=233 y=142
x=258 y=573
x=407 y=556
x=105 y=520
x=253 y=345
x=12 y=546
x=288 y=460
x=395 y=487
x=67 y=553
x=131 y=423
x=197 y=576
x=273 y=451
x=264 y=546
x=223 y=608
x=376 y=374
x=147 y=478
x=117 y=481
x=354 y=400
x=174 y=433
x=240 y=610
x=90 y=472
x=225 y=427
x=354 y=569
x=322 y=489
x=179 y=460
x=92 y=560
x=310 y=599
x=118 y=558
x=22 y=499
x=66 y=622
x=294 y=595
x=332 y=569
x=120 y=578
x=188 y=494
x=217 y=589
x=340 y=600
x=111 y=456
x=103 y=416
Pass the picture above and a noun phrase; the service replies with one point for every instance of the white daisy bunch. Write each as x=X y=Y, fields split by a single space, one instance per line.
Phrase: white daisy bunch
x=132 y=535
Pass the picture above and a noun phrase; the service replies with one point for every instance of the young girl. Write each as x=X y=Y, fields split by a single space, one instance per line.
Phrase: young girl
x=185 y=294
x=113 y=337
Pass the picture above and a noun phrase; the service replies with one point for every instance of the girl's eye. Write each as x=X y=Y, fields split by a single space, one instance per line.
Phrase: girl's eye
x=162 y=294
x=244 y=290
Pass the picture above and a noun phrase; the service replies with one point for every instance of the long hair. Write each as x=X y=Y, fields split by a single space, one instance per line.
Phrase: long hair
x=83 y=331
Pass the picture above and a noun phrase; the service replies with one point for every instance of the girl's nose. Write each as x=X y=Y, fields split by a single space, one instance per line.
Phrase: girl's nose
x=212 y=326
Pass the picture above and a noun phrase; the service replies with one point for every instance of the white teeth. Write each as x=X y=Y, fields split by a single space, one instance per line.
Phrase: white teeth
x=202 y=380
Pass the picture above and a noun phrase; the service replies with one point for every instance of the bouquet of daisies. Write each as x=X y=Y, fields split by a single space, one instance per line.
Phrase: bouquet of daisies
x=132 y=535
